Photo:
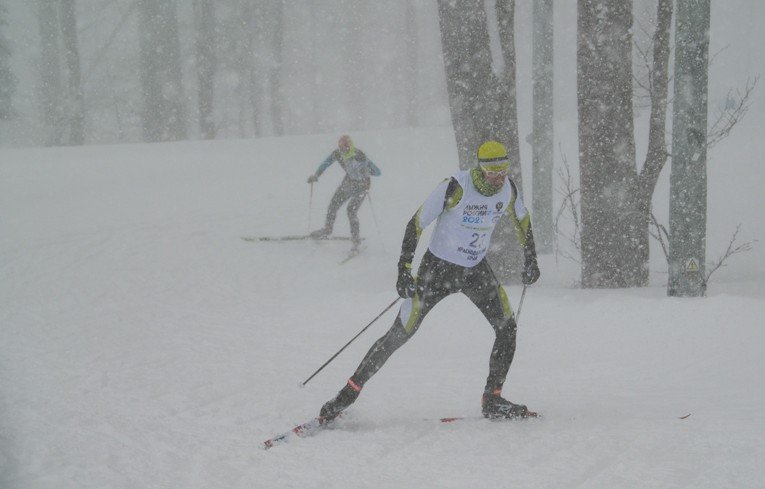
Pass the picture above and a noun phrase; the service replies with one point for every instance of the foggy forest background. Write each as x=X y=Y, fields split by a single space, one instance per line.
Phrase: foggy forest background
x=125 y=71
x=266 y=67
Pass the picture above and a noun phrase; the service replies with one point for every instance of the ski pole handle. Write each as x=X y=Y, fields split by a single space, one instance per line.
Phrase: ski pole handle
x=351 y=341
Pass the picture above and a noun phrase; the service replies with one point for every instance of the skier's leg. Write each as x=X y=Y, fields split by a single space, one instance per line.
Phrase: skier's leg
x=410 y=316
x=353 y=209
x=342 y=194
x=485 y=291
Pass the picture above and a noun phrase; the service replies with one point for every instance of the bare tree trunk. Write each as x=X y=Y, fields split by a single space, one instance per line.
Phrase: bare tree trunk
x=656 y=156
x=542 y=131
x=249 y=69
x=688 y=179
x=164 y=112
x=51 y=101
x=318 y=123
x=7 y=79
x=409 y=80
x=205 y=42
x=505 y=253
x=505 y=125
x=75 y=100
x=482 y=101
x=353 y=53
x=614 y=234
x=467 y=62
x=276 y=77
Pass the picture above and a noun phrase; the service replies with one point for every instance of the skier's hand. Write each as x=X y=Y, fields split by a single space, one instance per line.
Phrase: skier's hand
x=530 y=271
x=313 y=178
x=405 y=285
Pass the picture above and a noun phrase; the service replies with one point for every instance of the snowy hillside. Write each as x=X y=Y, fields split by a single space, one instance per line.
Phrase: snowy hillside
x=143 y=344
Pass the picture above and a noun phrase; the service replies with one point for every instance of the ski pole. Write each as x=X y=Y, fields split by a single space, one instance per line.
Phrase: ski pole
x=374 y=216
x=346 y=345
x=520 y=304
x=310 y=207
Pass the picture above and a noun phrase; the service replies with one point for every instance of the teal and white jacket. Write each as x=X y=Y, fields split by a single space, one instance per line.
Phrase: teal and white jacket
x=355 y=163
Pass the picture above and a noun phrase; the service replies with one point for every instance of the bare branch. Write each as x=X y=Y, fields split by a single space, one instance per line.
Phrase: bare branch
x=736 y=107
x=661 y=235
x=570 y=206
x=730 y=251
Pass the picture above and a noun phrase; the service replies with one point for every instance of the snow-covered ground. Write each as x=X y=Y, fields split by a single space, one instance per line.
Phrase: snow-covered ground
x=143 y=344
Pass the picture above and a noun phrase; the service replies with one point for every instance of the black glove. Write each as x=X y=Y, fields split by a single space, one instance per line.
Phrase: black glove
x=313 y=178
x=405 y=285
x=530 y=271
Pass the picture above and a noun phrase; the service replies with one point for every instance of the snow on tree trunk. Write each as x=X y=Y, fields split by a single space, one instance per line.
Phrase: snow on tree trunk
x=50 y=89
x=204 y=44
x=542 y=131
x=614 y=234
x=480 y=83
x=353 y=53
x=7 y=78
x=411 y=64
x=276 y=75
x=75 y=100
x=164 y=108
x=688 y=179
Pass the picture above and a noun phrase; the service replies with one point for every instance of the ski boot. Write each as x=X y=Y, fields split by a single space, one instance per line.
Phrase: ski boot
x=344 y=398
x=355 y=245
x=495 y=406
x=322 y=233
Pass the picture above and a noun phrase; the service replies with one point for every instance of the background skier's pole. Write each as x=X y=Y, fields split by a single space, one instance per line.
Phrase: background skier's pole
x=520 y=304
x=374 y=217
x=310 y=206
x=344 y=347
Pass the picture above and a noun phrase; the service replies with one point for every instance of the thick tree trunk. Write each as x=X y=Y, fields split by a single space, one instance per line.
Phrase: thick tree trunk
x=614 y=235
x=467 y=62
x=482 y=102
x=164 y=112
x=688 y=179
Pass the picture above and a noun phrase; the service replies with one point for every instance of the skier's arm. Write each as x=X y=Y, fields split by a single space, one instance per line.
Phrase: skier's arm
x=522 y=224
x=373 y=170
x=371 y=167
x=334 y=156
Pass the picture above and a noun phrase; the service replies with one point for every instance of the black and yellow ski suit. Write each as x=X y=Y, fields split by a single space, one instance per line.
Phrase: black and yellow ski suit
x=455 y=262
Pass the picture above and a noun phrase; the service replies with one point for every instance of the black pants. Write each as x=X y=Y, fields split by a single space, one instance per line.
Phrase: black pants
x=353 y=190
x=437 y=279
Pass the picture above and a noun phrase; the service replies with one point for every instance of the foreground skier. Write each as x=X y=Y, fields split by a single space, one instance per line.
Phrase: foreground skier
x=466 y=208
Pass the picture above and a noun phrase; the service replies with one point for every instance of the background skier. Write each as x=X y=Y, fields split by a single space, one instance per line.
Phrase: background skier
x=354 y=187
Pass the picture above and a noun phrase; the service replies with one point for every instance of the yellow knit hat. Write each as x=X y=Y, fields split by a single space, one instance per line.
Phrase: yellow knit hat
x=493 y=154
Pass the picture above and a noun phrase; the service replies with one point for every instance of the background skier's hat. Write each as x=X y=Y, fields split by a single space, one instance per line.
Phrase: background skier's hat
x=345 y=143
